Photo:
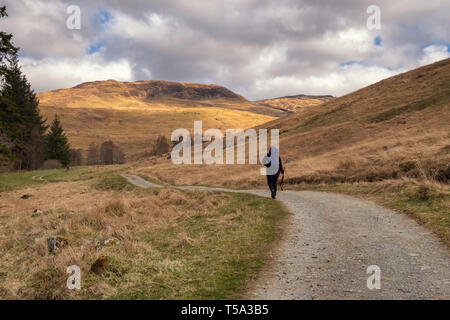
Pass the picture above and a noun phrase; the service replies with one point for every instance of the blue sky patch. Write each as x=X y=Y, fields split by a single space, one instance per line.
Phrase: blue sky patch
x=102 y=17
x=349 y=63
x=377 y=41
x=93 y=48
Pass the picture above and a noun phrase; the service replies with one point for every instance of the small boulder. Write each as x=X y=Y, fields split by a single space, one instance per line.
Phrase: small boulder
x=26 y=196
x=56 y=243
x=106 y=243
x=37 y=213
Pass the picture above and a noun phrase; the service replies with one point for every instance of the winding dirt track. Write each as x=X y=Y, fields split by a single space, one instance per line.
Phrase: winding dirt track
x=329 y=242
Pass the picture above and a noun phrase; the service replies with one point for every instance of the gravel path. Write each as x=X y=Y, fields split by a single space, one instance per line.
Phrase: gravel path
x=330 y=241
x=139 y=182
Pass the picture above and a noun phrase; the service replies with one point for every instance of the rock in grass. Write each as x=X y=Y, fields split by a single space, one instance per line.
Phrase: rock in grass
x=26 y=196
x=56 y=243
x=100 y=265
x=106 y=243
x=37 y=213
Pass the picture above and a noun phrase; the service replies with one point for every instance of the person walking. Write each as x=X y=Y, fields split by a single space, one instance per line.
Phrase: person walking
x=274 y=168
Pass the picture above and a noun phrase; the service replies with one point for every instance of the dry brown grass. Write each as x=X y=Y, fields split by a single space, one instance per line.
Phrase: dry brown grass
x=84 y=216
x=155 y=234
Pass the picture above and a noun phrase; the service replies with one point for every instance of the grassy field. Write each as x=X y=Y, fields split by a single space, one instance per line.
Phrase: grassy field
x=18 y=180
x=149 y=244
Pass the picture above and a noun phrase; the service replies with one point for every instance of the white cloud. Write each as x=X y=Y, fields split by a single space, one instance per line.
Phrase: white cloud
x=434 y=53
x=49 y=74
x=341 y=81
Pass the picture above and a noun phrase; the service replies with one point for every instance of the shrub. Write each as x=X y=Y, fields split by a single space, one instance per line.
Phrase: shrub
x=423 y=193
x=51 y=164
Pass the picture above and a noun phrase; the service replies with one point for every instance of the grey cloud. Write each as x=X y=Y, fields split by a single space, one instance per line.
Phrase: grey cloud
x=239 y=44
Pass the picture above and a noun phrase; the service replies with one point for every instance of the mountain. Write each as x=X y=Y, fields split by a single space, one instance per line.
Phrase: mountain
x=133 y=114
x=295 y=103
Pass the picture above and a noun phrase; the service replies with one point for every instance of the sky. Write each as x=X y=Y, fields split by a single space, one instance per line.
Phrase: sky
x=257 y=48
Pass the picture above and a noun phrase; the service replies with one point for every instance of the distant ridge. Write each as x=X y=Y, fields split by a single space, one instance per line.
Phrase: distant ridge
x=296 y=102
x=148 y=89
x=305 y=96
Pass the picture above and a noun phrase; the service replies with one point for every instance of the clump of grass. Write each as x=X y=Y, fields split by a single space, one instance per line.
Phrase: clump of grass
x=113 y=183
x=423 y=193
x=115 y=207
x=48 y=284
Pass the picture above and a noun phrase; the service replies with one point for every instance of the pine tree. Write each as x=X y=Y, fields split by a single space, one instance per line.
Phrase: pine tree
x=7 y=49
x=20 y=118
x=56 y=142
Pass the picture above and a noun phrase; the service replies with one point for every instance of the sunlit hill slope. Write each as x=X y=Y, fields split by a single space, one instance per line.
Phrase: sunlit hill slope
x=296 y=103
x=398 y=127
x=133 y=114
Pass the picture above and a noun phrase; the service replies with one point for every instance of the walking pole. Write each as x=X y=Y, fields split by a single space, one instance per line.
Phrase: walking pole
x=282 y=178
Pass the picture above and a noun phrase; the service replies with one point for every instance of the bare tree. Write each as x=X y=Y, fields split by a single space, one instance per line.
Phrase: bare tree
x=76 y=157
x=118 y=155
x=107 y=153
x=93 y=155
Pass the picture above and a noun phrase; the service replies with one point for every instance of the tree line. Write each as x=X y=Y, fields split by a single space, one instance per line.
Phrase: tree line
x=105 y=154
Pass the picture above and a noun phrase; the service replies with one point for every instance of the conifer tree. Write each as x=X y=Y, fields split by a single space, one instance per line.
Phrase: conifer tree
x=20 y=119
x=57 y=145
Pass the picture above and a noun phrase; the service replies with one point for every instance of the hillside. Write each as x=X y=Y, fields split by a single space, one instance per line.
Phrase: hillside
x=133 y=114
x=398 y=127
x=296 y=103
